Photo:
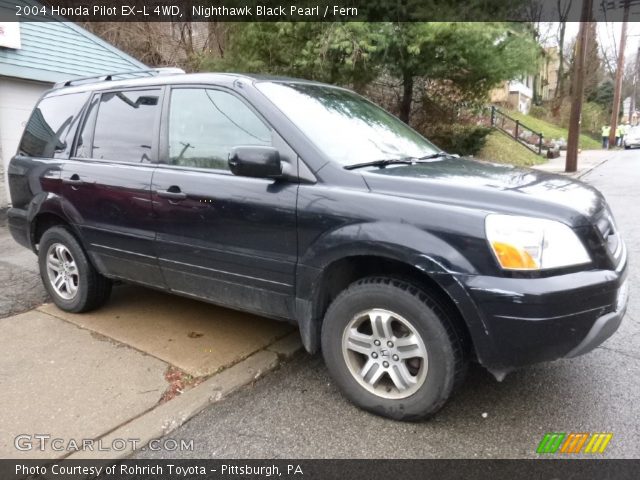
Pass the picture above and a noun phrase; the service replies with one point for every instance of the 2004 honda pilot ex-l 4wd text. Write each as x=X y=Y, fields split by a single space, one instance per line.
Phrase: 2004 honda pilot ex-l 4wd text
x=305 y=202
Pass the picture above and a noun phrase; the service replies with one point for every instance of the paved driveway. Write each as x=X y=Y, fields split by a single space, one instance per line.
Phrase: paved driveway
x=297 y=412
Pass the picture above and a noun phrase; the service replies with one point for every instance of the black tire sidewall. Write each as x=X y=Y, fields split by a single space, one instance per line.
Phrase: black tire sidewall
x=441 y=356
x=63 y=236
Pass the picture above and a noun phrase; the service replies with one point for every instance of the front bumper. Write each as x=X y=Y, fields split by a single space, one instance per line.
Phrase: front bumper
x=532 y=320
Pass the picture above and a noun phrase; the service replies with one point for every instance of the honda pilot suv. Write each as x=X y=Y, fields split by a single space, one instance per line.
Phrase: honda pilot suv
x=307 y=203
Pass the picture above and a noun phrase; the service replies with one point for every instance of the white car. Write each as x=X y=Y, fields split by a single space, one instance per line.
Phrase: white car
x=632 y=138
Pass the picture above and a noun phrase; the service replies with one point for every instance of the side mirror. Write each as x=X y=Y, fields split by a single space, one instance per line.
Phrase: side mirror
x=255 y=161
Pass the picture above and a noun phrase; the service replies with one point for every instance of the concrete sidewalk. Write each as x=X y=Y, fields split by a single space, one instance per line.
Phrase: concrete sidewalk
x=198 y=338
x=63 y=381
x=133 y=372
x=587 y=161
x=140 y=366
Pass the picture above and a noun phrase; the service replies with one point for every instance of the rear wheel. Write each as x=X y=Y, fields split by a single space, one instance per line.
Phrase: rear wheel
x=71 y=280
x=391 y=349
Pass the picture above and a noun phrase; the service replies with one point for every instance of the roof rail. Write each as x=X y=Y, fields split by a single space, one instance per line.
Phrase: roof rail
x=128 y=74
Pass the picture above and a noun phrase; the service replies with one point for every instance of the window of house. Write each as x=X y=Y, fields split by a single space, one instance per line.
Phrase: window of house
x=205 y=124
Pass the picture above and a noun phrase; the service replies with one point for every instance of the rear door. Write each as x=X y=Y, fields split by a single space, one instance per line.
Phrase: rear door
x=229 y=239
x=107 y=182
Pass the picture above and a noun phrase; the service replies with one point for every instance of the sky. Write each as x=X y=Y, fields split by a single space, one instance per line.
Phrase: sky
x=608 y=36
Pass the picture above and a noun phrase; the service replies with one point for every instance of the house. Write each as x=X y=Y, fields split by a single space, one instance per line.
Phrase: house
x=548 y=72
x=515 y=94
x=519 y=94
x=35 y=55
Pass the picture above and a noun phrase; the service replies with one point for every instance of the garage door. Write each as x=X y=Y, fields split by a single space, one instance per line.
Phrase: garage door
x=17 y=99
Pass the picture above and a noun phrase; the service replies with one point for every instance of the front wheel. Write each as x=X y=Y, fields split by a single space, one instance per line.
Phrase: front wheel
x=391 y=349
x=68 y=275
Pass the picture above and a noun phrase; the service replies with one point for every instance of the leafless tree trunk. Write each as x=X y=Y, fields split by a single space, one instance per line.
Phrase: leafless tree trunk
x=563 y=12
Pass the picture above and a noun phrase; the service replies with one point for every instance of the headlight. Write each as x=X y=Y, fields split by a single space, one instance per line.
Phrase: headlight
x=527 y=243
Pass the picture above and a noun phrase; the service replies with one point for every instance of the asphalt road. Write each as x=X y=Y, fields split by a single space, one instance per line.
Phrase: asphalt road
x=19 y=277
x=297 y=411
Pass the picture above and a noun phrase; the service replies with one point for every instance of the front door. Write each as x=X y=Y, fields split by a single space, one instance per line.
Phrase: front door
x=228 y=239
x=107 y=183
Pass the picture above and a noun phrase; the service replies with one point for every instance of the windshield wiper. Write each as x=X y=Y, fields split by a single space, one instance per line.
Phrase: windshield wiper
x=432 y=156
x=397 y=161
x=382 y=163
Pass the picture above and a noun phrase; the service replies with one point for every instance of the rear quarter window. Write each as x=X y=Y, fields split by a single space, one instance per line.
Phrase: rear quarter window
x=52 y=125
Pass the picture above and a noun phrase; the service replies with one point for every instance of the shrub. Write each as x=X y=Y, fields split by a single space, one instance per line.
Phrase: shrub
x=593 y=118
x=539 y=111
x=460 y=139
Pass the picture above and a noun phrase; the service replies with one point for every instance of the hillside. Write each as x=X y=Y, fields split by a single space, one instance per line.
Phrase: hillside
x=501 y=149
x=551 y=131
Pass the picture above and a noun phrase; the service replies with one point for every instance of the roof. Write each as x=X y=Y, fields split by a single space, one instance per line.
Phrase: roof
x=55 y=50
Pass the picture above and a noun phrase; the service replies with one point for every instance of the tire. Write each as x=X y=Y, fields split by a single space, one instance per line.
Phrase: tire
x=61 y=258
x=392 y=310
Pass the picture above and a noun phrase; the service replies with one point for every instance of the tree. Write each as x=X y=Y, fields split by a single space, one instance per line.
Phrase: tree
x=474 y=57
x=471 y=57
x=603 y=95
x=592 y=63
x=564 y=6
x=339 y=53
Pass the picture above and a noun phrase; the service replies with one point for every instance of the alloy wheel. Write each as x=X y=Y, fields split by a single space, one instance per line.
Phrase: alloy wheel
x=385 y=353
x=62 y=271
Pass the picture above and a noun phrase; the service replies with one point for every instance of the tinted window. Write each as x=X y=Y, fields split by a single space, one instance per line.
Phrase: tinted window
x=125 y=125
x=49 y=131
x=205 y=124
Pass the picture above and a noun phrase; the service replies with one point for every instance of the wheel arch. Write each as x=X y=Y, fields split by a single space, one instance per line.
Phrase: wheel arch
x=46 y=211
x=42 y=222
x=342 y=272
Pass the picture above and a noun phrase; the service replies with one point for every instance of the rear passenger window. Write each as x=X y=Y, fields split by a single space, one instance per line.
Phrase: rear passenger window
x=205 y=124
x=124 y=127
x=50 y=129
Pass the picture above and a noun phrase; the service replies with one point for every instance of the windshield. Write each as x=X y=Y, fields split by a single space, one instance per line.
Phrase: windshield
x=345 y=126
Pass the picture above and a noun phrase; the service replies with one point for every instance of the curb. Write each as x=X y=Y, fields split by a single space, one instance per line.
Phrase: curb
x=578 y=174
x=588 y=170
x=167 y=417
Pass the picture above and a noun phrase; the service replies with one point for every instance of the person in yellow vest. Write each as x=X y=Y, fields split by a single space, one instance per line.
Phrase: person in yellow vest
x=606 y=130
x=618 y=134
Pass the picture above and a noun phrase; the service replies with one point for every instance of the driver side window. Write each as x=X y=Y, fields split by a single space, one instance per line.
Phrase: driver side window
x=205 y=124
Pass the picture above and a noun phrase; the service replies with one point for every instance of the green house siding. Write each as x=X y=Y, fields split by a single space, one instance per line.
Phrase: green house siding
x=53 y=51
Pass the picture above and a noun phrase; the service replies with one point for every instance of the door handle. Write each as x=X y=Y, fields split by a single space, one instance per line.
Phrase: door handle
x=73 y=180
x=173 y=193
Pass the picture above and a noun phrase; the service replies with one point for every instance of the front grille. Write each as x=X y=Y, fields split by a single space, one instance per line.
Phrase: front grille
x=607 y=228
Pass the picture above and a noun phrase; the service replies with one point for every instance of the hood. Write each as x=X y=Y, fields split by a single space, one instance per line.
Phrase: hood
x=491 y=187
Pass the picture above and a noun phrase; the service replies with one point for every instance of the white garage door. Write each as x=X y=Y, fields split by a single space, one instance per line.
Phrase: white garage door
x=17 y=99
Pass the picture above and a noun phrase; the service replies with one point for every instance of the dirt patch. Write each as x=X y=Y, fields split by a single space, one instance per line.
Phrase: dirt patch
x=179 y=382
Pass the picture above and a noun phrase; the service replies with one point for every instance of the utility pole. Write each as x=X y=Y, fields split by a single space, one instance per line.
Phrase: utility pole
x=632 y=104
x=577 y=90
x=615 y=111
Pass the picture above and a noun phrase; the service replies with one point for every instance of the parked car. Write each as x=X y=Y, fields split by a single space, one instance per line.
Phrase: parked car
x=307 y=203
x=632 y=138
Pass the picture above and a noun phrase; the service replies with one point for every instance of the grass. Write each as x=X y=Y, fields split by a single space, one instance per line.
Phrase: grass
x=501 y=149
x=552 y=131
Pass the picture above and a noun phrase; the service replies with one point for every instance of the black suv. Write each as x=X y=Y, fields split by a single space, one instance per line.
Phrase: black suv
x=305 y=202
